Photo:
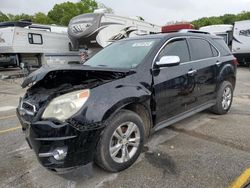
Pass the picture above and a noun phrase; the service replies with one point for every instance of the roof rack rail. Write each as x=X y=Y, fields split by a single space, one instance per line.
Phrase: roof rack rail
x=193 y=31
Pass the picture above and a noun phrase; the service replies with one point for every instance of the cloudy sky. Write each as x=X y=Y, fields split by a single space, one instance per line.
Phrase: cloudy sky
x=154 y=11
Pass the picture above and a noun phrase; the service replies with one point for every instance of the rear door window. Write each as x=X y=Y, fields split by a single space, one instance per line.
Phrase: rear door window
x=200 y=49
x=177 y=47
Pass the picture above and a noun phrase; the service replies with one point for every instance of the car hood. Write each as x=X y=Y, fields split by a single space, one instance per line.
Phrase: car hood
x=39 y=74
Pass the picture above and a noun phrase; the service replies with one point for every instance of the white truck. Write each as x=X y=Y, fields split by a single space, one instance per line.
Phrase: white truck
x=237 y=37
x=34 y=44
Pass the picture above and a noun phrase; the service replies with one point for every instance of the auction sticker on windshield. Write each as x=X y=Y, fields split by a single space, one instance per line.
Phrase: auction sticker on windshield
x=143 y=44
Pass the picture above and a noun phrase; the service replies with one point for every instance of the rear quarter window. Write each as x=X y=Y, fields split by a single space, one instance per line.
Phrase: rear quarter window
x=222 y=47
x=215 y=52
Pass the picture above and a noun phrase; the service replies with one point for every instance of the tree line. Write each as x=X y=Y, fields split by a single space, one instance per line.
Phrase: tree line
x=225 y=19
x=62 y=13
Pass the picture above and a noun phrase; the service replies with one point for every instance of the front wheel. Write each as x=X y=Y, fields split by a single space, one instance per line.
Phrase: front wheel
x=224 y=99
x=121 y=142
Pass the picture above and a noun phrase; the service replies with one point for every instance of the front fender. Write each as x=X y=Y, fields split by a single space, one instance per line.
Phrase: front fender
x=121 y=104
x=106 y=100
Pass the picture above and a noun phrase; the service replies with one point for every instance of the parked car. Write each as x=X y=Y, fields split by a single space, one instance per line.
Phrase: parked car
x=104 y=110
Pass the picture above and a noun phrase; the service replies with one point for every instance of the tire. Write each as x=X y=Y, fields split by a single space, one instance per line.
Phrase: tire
x=122 y=121
x=224 y=99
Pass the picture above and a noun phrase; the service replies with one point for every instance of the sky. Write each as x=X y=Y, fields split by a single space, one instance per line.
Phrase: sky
x=154 y=11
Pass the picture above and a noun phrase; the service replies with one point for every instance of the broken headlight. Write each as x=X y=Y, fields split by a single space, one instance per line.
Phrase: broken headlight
x=66 y=105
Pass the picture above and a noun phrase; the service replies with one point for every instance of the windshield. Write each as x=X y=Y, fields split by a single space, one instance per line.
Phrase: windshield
x=123 y=54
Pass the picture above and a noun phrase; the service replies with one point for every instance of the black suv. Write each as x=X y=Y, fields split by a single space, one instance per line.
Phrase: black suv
x=104 y=110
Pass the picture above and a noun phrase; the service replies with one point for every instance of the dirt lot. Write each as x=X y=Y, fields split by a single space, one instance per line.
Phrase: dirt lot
x=205 y=150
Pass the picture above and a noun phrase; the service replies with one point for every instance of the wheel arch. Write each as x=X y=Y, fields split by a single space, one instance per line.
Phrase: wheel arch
x=142 y=108
x=227 y=73
x=144 y=112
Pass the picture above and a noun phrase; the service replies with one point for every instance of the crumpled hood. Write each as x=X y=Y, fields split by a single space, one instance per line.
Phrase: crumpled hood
x=39 y=74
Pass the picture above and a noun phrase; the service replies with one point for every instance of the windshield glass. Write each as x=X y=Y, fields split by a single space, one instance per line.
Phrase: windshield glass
x=123 y=54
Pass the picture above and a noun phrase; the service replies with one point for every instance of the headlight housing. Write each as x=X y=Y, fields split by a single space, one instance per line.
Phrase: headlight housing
x=66 y=105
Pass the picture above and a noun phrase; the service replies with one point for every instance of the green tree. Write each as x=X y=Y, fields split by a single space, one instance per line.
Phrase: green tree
x=243 y=16
x=19 y=17
x=228 y=18
x=3 y=17
x=225 y=19
x=88 y=6
x=41 y=18
x=62 y=13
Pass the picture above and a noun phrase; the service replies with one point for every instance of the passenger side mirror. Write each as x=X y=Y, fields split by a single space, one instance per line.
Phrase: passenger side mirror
x=168 y=61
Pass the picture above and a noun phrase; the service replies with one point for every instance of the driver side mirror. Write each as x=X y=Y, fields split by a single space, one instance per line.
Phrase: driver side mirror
x=168 y=61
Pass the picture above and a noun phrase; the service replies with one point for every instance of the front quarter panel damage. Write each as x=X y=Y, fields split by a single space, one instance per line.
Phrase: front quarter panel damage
x=109 y=92
x=107 y=99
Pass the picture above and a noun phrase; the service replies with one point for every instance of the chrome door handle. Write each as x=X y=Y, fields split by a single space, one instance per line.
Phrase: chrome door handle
x=192 y=72
x=218 y=63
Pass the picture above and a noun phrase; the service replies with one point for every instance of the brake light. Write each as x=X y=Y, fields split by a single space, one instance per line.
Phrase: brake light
x=235 y=61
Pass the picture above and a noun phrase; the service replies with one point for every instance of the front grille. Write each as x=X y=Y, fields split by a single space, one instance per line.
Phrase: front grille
x=28 y=107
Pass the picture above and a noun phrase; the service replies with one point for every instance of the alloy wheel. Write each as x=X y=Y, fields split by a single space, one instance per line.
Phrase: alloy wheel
x=226 y=98
x=124 y=142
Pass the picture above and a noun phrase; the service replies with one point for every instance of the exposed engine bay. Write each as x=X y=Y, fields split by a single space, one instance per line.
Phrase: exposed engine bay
x=46 y=84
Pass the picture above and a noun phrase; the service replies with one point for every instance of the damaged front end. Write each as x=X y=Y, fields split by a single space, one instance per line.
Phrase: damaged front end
x=55 y=94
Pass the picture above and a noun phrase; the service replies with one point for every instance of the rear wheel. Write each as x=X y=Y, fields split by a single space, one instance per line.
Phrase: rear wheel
x=224 y=99
x=121 y=142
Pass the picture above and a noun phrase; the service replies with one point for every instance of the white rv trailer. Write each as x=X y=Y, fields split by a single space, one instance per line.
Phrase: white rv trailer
x=237 y=37
x=224 y=30
x=34 y=44
x=95 y=31
x=241 y=41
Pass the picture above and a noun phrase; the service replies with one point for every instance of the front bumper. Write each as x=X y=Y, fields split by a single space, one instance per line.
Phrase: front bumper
x=45 y=137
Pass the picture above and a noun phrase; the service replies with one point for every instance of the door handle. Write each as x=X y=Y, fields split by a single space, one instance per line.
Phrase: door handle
x=192 y=72
x=218 y=63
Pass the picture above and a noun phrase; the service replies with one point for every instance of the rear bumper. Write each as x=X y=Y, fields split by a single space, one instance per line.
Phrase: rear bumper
x=47 y=138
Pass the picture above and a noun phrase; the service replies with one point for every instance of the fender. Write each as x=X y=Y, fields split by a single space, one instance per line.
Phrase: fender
x=125 y=102
x=97 y=111
x=226 y=73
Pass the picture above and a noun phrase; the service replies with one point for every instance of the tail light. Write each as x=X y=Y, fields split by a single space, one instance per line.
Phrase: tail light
x=235 y=61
